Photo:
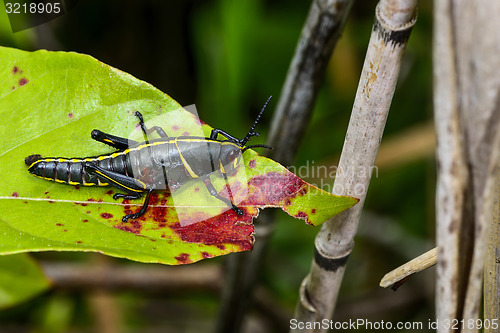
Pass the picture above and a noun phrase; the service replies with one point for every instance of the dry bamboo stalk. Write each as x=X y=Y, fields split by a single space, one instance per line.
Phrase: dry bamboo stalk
x=492 y=258
x=319 y=35
x=452 y=171
x=467 y=119
x=393 y=23
x=413 y=266
x=480 y=101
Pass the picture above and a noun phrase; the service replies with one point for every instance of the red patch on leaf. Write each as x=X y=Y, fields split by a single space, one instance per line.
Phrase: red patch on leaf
x=313 y=210
x=70 y=115
x=15 y=194
x=274 y=187
x=23 y=81
x=183 y=258
x=15 y=70
x=252 y=164
x=206 y=255
x=218 y=230
x=106 y=215
x=132 y=226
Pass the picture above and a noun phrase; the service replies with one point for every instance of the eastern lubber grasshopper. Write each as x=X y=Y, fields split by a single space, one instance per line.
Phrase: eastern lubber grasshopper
x=142 y=167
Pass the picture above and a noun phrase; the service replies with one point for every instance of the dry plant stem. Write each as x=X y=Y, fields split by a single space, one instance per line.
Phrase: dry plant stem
x=416 y=265
x=154 y=279
x=480 y=106
x=334 y=242
x=321 y=31
x=467 y=112
x=452 y=173
x=491 y=215
x=144 y=278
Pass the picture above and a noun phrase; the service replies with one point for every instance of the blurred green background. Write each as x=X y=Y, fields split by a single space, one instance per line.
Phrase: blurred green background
x=227 y=57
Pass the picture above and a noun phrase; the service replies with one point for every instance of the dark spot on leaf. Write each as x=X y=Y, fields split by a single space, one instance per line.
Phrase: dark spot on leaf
x=252 y=164
x=133 y=226
x=221 y=247
x=15 y=70
x=59 y=224
x=152 y=239
x=46 y=192
x=23 y=81
x=79 y=242
x=196 y=189
x=302 y=191
x=313 y=210
x=288 y=202
x=88 y=212
x=301 y=214
x=70 y=115
x=25 y=201
x=206 y=255
x=83 y=204
x=183 y=258
x=65 y=230
x=15 y=194
x=163 y=236
x=109 y=192
x=77 y=187
x=13 y=87
x=85 y=221
x=51 y=201
x=106 y=215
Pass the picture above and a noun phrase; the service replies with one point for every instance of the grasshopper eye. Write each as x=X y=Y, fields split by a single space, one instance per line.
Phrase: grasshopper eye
x=231 y=156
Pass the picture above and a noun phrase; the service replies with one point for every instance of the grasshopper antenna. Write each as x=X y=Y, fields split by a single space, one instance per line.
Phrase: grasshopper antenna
x=251 y=132
x=256 y=146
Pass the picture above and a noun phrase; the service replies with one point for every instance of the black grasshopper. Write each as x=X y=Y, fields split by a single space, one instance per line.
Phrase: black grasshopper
x=142 y=167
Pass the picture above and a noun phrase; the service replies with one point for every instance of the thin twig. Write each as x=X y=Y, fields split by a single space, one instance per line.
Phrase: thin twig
x=413 y=266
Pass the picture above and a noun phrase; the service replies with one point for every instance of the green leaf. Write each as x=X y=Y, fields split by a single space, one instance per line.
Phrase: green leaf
x=20 y=279
x=49 y=104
